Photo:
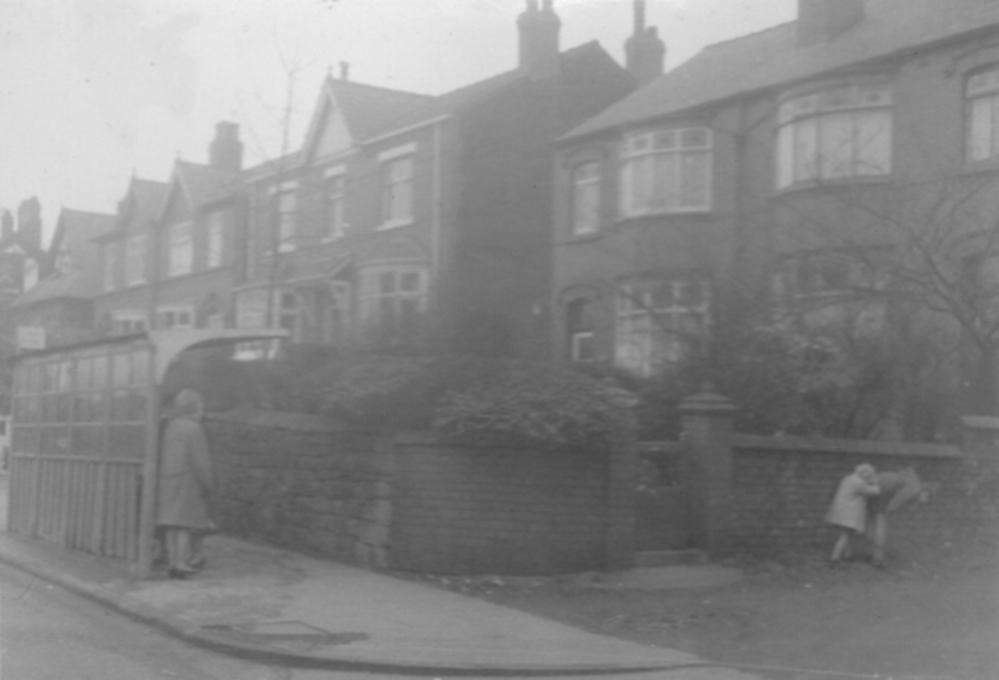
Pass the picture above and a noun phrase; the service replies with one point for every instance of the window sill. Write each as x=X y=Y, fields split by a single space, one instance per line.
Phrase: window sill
x=395 y=224
x=838 y=183
x=584 y=238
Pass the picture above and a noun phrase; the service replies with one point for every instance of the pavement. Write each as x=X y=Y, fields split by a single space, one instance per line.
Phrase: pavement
x=275 y=606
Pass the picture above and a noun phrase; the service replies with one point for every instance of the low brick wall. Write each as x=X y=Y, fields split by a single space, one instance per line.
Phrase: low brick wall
x=414 y=504
x=782 y=487
x=498 y=510
x=294 y=481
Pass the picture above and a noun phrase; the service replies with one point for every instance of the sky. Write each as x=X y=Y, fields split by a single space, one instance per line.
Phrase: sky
x=94 y=91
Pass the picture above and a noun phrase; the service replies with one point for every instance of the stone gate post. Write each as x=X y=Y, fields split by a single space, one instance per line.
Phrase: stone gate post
x=707 y=429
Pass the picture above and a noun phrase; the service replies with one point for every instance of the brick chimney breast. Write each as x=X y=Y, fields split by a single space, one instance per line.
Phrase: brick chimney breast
x=539 y=39
x=645 y=53
x=226 y=151
x=823 y=20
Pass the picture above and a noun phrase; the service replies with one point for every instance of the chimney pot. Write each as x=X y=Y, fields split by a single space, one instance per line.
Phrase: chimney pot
x=645 y=53
x=539 y=39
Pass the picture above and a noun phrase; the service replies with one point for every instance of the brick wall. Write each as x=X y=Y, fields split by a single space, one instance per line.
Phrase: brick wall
x=781 y=490
x=497 y=510
x=295 y=481
x=414 y=504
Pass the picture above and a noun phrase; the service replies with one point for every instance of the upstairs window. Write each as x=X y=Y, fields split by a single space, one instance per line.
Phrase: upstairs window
x=181 y=250
x=333 y=219
x=658 y=321
x=397 y=186
x=135 y=261
x=835 y=134
x=285 y=204
x=982 y=95
x=667 y=171
x=826 y=274
x=110 y=266
x=586 y=199
x=215 y=239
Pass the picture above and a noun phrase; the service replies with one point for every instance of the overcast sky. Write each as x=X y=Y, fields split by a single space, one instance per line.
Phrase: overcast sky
x=92 y=91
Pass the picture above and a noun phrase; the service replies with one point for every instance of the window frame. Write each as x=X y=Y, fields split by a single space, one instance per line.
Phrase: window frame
x=390 y=216
x=643 y=157
x=371 y=294
x=112 y=251
x=173 y=313
x=585 y=189
x=215 y=239
x=284 y=203
x=637 y=322
x=987 y=93
x=180 y=241
x=806 y=126
x=334 y=222
x=135 y=262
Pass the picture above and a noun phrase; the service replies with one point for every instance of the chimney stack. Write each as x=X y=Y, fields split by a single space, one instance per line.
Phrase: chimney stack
x=645 y=53
x=226 y=151
x=539 y=46
x=344 y=70
x=29 y=223
x=822 y=20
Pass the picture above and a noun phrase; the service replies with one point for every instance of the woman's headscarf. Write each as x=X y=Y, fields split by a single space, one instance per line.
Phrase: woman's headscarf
x=188 y=403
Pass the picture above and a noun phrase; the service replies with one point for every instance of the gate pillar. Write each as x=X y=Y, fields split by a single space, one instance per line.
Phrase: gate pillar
x=707 y=429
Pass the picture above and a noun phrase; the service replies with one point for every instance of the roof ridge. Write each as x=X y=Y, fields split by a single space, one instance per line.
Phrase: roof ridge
x=381 y=88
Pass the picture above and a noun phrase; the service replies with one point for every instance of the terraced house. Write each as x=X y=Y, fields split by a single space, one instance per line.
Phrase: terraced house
x=833 y=171
x=408 y=220
x=167 y=263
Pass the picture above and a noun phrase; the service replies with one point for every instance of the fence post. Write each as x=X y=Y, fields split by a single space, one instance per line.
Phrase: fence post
x=707 y=429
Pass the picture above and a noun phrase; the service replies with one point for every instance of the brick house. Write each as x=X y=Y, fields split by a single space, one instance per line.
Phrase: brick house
x=62 y=302
x=407 y=216
x=167 y=263
x=774 y=169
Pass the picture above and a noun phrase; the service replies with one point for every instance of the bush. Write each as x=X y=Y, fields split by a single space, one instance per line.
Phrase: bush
x=468 y=399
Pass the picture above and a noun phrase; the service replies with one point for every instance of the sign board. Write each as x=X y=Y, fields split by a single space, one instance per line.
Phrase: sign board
x=30 y=337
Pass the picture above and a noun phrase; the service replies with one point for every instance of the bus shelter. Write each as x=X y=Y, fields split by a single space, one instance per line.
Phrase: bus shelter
x=85 y=439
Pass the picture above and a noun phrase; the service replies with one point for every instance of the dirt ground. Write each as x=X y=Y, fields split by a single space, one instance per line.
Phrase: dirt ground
x=934 y=618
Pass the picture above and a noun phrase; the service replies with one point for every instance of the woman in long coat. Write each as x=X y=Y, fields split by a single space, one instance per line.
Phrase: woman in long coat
x=848 y=511
x=186 y=479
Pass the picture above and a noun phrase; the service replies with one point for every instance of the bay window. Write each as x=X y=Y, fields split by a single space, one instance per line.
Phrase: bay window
x=393 y=297
x=835 y=134
x=666 y=171
x=586 y=199
x=982 y=96
x=658 y=321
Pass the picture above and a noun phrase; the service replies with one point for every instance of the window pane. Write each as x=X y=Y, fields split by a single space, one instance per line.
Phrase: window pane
x=694 y=180
x=836 y=145
x=664 y=184
x=874 y=140
x=980 y=129
x=805 y=150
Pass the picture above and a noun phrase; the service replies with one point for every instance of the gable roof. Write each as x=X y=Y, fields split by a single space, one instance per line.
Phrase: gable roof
x=469 y=95
x=141 y=204
x=204 y=183
x=773 y=58
x=75 y=232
